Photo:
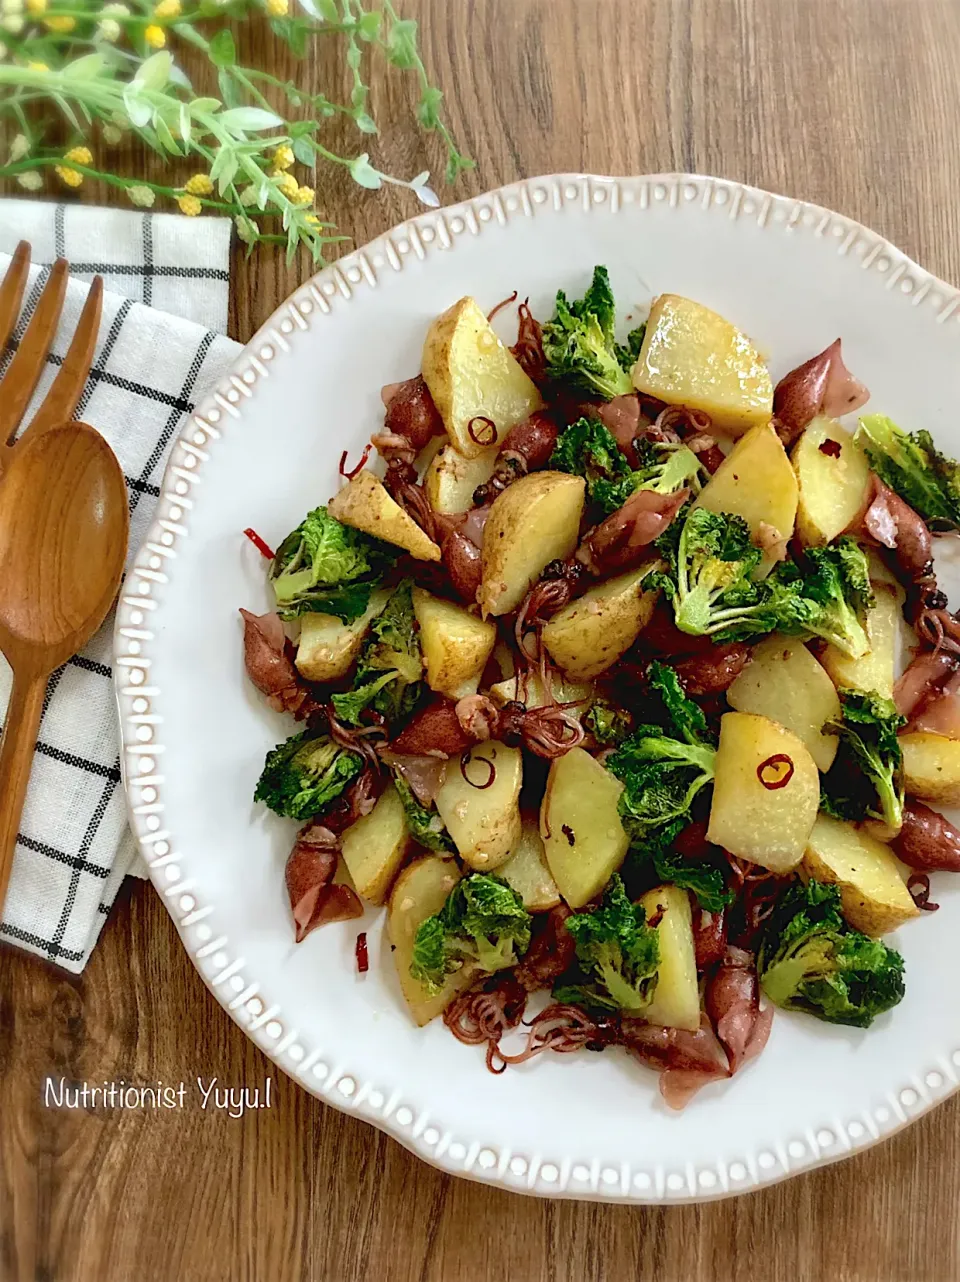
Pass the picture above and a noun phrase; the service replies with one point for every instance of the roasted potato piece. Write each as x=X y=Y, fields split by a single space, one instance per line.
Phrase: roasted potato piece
x=456 y=644
x=931 y=767
x=676 y=999
x=471 y=374
x=756 y=481
x=583 y=837
x=769 y=825
x=591 y=633
x=529 y=691
x=783 y=681
x=328 y=647
x=833 y=474
x=367 y=506
x=527 y=872
x=534 y=521
x=375 y=847
x=483 y=818
x=876 y=670
x=451 y=478
x=420 y=891
x=691 y=356
x=873 y=894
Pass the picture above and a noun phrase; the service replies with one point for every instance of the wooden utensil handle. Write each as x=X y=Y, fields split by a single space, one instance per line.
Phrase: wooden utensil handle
x=16 y=757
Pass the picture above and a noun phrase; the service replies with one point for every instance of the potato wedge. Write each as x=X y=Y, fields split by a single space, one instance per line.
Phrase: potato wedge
x=456 y=644
x=877 y=668
x=931 y=767
x=676 y=999
x=833 y=474
x=591 y=633
x=451 y=478
x=583 y=837
x=691 y=356
x=328 y=647
x=470 y=374
x=873 y=894
x=375 y=847
x=420 y=891
x=534 y=521
x=366 y=505
x=783 y=681
x=483 y=820
x=527 y=872
x=768 y=826
x=756 y=481
x=529 y=691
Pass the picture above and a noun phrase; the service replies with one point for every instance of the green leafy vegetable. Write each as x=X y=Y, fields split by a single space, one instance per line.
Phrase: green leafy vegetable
x=839 y=584
x=588 y=449
x=390 y=665
x=663 y=468
x=866 y=778
x=483 y=925
x=579 y=342
x=617 y=955
x=425 y=824
x=304 y=775
x=705 y=879
x=663 y=766
x=914 y=468
x=608 y=724
x=628 y=353
x=811 y=960
x=327 y=567
x=711 y=560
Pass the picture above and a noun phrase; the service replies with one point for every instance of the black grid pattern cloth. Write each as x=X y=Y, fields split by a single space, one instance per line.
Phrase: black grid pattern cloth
x=150 y=368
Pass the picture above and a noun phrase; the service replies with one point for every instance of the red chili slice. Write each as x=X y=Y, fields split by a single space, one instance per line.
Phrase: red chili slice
x=363 y=959
x=771 y=783
x=262 y=547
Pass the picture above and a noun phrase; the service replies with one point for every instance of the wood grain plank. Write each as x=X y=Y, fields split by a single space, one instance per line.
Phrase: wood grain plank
x=852 y=103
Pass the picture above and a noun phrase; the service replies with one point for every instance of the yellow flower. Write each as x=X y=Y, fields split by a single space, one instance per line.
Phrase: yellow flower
x=246 y=230
x=198 y=185
x=288 y=185
x=60 y=22
x=278 y=8
x=155 y=36
x=36 y=7
x=79 y=156
x=30 y=180
x=312 y=220
x=282 y=158
x=37 y=66
x=167 y=9
x=304 y=196
x=189 y=205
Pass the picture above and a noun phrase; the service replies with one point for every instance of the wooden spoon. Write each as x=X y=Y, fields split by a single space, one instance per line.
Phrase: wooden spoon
x=64 y=523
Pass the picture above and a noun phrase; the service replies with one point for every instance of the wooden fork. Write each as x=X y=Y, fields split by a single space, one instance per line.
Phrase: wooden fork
x=19 y=382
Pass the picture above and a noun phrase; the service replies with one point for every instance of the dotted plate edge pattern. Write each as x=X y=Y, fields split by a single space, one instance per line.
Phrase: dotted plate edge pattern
x=220 y=964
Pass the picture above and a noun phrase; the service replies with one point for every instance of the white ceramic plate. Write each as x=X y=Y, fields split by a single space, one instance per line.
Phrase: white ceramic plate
x=263 y=450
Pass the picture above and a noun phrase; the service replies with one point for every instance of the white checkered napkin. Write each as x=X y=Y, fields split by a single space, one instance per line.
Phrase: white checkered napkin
x=150 y=368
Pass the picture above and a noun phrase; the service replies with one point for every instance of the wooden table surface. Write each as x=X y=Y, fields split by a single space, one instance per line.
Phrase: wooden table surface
x=850 y=103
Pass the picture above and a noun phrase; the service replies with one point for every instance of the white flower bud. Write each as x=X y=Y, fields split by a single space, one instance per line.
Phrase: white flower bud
x=142 y=196
x=13 y=23
x=19 y=148
x=109 y=30
x=30 y=180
